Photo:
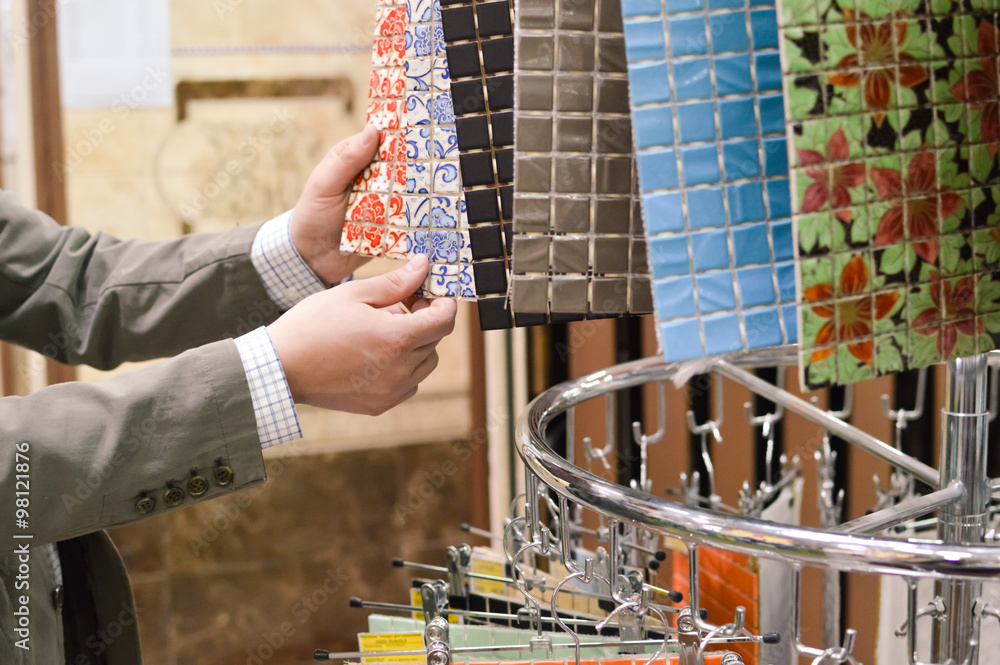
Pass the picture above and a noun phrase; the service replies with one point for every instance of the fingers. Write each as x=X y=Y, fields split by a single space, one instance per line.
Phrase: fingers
x=433 y=322
x=424 y=369
x=390 y=288
x=344 y=161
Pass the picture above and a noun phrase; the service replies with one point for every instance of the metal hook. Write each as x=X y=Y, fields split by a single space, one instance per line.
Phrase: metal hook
x=767 y=418
x=644 y=441
x=609 y=427
x=711 y=425
x=848 y=407
x=994 y=391
x=902 y=416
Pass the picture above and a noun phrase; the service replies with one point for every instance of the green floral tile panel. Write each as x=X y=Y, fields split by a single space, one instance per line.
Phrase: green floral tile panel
x=893 y=139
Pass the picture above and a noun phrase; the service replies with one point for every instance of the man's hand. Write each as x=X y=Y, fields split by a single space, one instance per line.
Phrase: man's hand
x=340 y=350
x=318 y=219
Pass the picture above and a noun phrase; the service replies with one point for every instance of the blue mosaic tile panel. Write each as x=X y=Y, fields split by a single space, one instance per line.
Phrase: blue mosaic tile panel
x=708 y=119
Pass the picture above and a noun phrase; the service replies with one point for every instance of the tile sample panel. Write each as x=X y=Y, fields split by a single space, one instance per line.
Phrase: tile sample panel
x=579 y=249
x=893 y=138
x=480 y=51
x=409 y=201
x=707 y=111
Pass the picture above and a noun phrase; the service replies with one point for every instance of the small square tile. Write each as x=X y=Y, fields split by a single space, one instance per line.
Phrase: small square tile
x=658 y=169
x=664 y=213
x=649 y=82
x=710 y=250
x=578 y=15
x=570 y=255
x=688 y=36
x=700 y=164
x=737 y=117
x=733 y=76
x=715 y=292
x=675 y=297
x=571 y=215
x=669 y=256
x=611 y=255
x=531 y=292
x=706 y=207
x=612 y=215
x=722 y=334
x=570 y=294
x=574 y=93
x=614 y=135
x=644 y=40
x=696 y=121
x=574 y=134
x=746 y=202
x=756 y=286
x=575 y=52
x=693 y=78
x=681 y=339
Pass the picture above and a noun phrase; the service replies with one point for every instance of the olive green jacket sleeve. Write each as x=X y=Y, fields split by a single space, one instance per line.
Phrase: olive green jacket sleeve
x=104 y=453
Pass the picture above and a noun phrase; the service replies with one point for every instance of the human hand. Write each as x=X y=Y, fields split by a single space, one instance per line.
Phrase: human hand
x=318 y=218
x=341 y=351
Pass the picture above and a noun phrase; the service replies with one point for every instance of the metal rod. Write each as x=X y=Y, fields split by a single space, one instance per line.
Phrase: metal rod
x=347 y=655
x=835 y=426
x=904 y=510
x=965 y=422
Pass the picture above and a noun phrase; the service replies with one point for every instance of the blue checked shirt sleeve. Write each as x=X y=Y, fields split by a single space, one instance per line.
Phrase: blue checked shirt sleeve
x=273 y=407
x=285 y=274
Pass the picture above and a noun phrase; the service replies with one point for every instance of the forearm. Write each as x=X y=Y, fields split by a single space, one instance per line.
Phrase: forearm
x=95 y=450
x=82 y=298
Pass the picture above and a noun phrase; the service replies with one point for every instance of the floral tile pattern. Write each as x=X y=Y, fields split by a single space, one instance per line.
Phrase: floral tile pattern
x=708 y=117
x=409 y=201
x=578 y=247
x=893 y=139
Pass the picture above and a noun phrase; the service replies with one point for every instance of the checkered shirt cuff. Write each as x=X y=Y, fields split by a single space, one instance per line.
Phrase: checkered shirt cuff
x=273 y=407
x=286 y=276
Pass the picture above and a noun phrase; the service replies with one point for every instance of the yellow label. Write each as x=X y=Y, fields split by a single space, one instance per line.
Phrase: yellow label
x=419 y=616
x=487 y=567
x=392 y=642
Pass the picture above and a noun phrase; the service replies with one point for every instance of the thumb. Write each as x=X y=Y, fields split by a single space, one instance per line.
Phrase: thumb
x=344 y=161
x=392 y=287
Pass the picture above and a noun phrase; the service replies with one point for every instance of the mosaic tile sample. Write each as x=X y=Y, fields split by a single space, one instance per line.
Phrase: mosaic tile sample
x=893 y=137
x=709 y=126
x=579 y=249
x=409 y=201
x=481 y=63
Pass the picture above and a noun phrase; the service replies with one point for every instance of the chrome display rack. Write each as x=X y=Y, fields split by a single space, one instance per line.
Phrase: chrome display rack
x=960 y=559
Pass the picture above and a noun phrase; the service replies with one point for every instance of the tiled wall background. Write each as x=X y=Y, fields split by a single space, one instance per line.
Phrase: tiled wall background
x=323 y=510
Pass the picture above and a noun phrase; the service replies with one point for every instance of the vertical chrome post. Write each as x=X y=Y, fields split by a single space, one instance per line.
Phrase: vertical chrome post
x=965 y=420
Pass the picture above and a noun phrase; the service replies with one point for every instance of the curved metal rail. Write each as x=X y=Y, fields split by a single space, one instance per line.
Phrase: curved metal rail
x=798 y=545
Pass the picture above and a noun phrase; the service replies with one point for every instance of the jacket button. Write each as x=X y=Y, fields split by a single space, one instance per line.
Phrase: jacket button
x=197 y=485
x=145 y=505
x=173 y=497
x=57 y=597
x=223 y=475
